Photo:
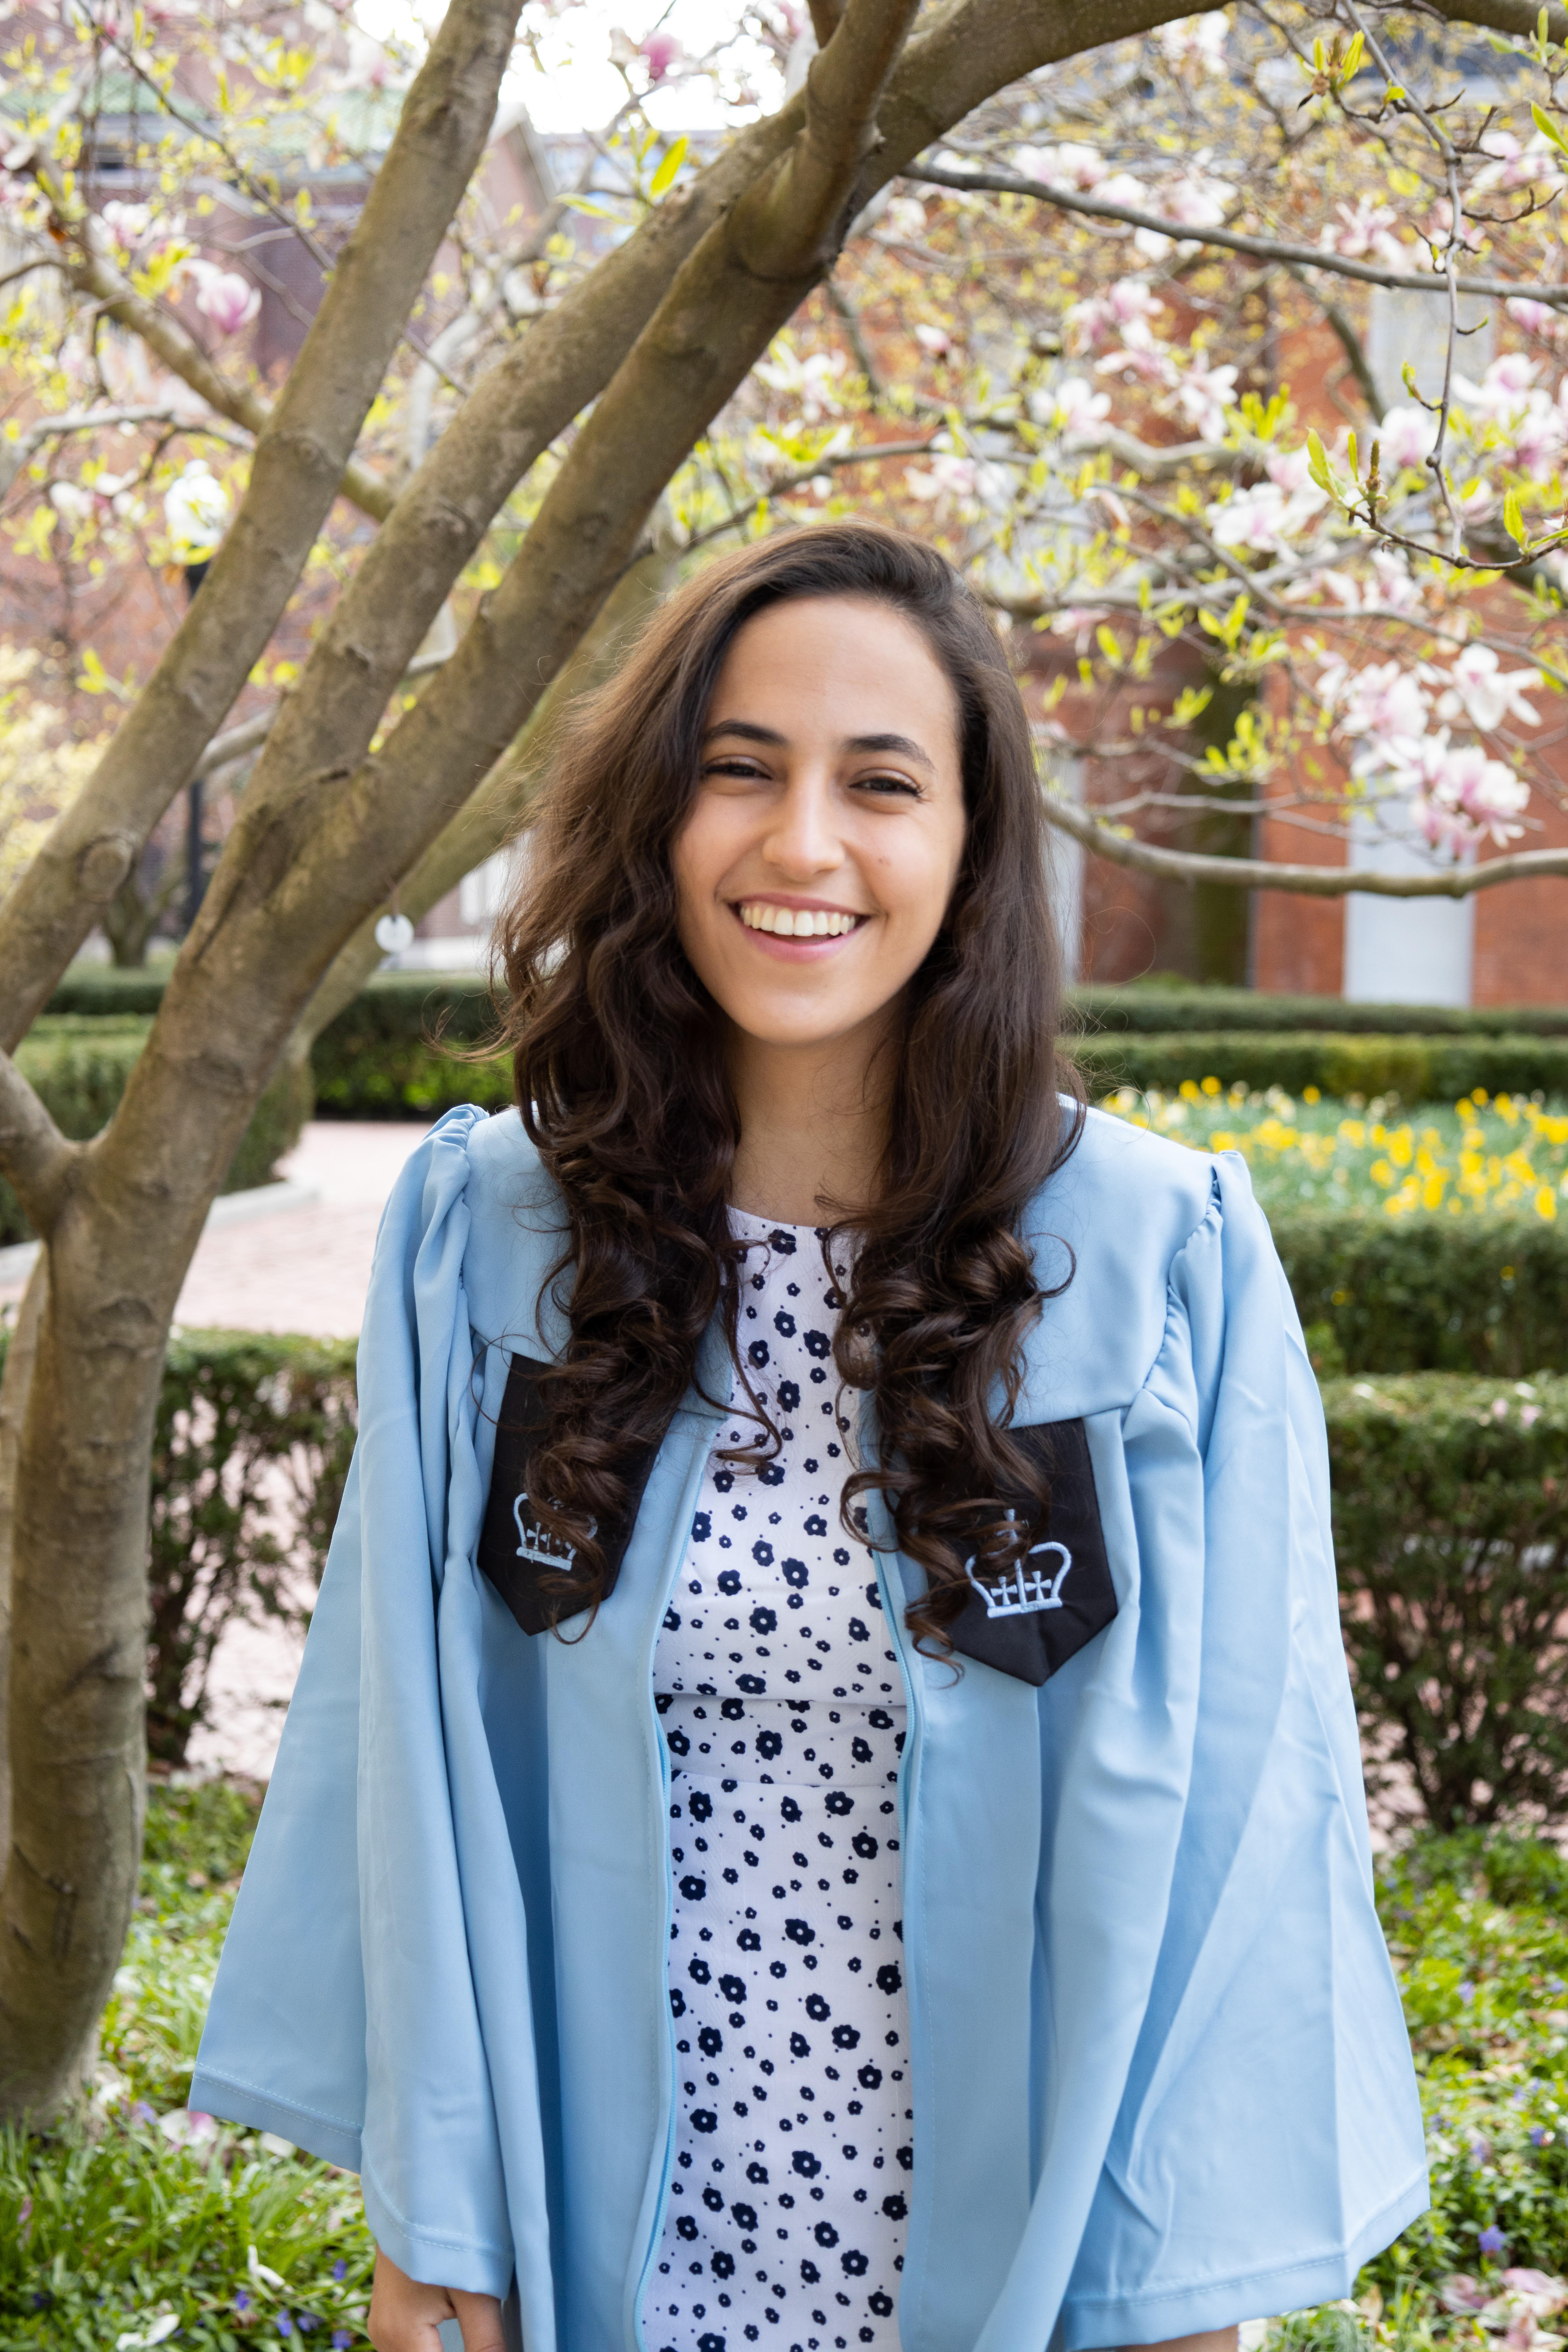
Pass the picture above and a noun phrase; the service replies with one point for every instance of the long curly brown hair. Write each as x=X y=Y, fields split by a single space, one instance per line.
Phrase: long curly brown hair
x=621 y=1082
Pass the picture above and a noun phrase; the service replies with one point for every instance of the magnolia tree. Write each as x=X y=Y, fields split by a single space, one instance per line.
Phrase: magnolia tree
x=1032 y=276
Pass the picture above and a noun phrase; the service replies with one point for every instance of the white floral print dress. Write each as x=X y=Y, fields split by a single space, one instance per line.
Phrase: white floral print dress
x=784 y=1709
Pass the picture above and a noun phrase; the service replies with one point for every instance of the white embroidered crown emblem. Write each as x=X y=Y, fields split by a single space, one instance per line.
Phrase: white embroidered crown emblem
x=1021 y=1590
x=537 y=1544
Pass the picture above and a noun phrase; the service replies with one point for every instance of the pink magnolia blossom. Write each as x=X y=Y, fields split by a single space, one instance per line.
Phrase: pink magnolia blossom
x=1486 y=694
x=1197 y=200
x=1459 y=795
x=127 y=223
x=934 y=339
x=1386 y=703
x=1126 y=309
x=1518 y=164
x=225 y=297
x=660 y=52
x=1365 y=232
x=1535 y=318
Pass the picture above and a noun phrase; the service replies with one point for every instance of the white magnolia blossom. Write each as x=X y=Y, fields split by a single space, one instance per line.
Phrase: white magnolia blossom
x=813 y=381
x=1197 y=42
x=1069 y=166
x=1486 y=694
x=1520 y=163
x=1071 y=406
x=1407 y=436
x=1269 y=515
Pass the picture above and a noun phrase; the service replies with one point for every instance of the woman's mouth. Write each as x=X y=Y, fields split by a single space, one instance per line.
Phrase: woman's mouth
x=803 y=923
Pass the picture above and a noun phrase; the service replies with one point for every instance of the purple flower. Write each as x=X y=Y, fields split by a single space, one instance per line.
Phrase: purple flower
x=341 y=2339
x=1539 y=2135
x=142 y=2114
x=1466 y=1990
x=340 y=2268
x=286 y=2325
x=242 y=2301
x=1490 y=2239
x=307 y=2320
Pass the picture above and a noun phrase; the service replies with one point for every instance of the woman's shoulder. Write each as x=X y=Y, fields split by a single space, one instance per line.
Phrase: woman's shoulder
x=1124 y=1184
x=1108 y=1228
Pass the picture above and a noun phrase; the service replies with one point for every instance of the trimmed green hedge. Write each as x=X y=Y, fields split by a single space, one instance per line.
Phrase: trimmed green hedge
x=239 y=1411
x=1151 y=1008
x=1155 y=1010
x=1416 y=1069
x=1451 y=1536
x=79 y=1067
x=394 y=1052
x=1419 y=1294
x=1450 y=1526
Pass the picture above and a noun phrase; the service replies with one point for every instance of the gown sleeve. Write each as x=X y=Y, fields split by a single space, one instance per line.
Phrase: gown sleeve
x=356 y=2008
x=1268 y=2138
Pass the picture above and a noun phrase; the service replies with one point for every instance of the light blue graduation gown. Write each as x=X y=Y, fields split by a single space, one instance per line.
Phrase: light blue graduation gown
x=1159 y=2072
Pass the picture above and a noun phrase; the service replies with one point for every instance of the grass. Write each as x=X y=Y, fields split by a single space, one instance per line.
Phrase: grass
x=114 y=2237
x=1491 y=1155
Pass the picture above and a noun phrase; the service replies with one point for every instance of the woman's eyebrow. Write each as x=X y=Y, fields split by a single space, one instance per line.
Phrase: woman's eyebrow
x=744 y=727
x=903 y=747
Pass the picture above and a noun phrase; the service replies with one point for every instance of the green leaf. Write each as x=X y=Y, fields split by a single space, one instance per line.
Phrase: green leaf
x=1548 y=129
x=1352 y=452
x=1318 y=462
x=1512 y=522
x=667 y=171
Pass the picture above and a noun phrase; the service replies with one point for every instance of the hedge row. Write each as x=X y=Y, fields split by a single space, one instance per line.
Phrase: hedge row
x=1470 y=1294
x=1415 y=1068
x=79 y=1067
x=1154 y=1009
x=1451 y=1536
x=1150 y=1008
x=241 y=1415
x=1450 y=1526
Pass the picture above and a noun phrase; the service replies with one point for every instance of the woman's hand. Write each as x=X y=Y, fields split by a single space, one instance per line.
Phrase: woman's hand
x=404 y=2315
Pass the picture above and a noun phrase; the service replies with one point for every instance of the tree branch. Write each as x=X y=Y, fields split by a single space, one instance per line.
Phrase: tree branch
x=33 y=1154
x=1517 y=17
x=95 y=274
x=15 y=455
x=793 y=221
x=1304 y=881
x=1266 y=248
x=299 y=458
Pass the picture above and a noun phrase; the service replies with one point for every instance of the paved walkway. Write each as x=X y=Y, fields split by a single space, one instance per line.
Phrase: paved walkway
x=305 y=1267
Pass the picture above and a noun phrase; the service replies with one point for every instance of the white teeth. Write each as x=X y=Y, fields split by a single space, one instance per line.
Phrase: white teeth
x=795 y=922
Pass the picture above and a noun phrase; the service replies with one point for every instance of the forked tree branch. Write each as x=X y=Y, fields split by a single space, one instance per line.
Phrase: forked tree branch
x=1303 y=881
x=299 y=463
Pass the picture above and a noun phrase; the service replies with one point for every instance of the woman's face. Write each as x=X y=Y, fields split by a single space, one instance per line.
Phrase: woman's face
x=817 y=862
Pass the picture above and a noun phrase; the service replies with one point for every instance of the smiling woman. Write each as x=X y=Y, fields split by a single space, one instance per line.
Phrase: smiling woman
x=824 y=1777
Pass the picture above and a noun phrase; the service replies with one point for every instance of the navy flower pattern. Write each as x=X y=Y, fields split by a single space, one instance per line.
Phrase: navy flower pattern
x=782 y=1709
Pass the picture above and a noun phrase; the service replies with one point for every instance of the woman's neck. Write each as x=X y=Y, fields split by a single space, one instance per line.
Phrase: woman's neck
x=814 y=1125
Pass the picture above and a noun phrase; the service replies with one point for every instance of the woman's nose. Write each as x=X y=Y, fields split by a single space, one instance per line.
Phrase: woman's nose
x=804 y=837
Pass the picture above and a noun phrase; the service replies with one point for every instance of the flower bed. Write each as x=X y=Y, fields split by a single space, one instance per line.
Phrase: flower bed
x=1488 y=1156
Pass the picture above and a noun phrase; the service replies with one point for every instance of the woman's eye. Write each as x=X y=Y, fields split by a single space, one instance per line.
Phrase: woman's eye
x=747 y=770
x=889 y=784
